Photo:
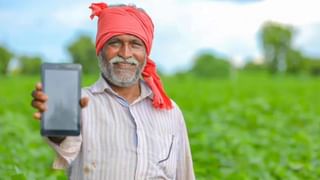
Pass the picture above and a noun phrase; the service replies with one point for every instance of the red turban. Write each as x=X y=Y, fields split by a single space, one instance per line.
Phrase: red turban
x=129 y=20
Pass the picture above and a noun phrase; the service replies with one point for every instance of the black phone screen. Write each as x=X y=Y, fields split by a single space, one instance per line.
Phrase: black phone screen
x=61 y=82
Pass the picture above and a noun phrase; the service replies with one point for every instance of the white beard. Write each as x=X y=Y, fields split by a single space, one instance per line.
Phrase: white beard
x=121 y=77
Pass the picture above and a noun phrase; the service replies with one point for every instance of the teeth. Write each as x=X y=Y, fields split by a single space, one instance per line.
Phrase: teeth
x=131 y=63
x=125 y=63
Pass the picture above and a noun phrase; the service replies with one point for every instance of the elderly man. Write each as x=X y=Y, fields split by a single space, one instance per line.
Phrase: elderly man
x=130 y=129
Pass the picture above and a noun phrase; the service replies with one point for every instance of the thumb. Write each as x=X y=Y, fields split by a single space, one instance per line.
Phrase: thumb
x=84 y=102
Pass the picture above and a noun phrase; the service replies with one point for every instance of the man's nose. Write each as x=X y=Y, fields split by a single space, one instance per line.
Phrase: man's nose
x=125 y=52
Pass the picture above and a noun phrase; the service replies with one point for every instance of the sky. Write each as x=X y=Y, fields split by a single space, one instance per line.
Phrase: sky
x=183 y=28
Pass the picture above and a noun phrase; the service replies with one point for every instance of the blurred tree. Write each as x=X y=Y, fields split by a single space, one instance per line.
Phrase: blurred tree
x=276 y=41
x=30 y=64
x=83 y=52
x=208 y=66
x=252 y=66
x=5 y=57
x=312 y=66
x=294 y=61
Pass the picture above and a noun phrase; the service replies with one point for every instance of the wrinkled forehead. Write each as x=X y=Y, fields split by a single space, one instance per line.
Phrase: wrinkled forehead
x=126 y=37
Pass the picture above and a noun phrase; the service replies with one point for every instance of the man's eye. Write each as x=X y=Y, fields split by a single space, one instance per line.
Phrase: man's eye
x=136 y=44
x=114 y=43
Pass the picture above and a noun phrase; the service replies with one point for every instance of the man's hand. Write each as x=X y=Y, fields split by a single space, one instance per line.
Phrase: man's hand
x=39 y=102
x=40 y=98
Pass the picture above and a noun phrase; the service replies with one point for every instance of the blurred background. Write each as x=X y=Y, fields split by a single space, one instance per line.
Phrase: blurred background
x=244 y=72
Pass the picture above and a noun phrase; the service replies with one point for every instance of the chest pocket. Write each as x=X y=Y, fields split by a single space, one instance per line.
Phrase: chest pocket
x=168 y=147
x=164 y=155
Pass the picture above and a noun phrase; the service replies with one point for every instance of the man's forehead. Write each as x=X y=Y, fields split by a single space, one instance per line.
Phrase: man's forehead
x=128 y=37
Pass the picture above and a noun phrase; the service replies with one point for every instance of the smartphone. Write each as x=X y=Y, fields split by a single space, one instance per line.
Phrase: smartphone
x=62 y=83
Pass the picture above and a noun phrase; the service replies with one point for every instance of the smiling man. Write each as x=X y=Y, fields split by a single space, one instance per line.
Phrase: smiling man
x=124 y=69
x=130 y=129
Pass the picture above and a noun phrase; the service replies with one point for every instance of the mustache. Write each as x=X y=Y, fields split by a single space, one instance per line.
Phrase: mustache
x=119 y=59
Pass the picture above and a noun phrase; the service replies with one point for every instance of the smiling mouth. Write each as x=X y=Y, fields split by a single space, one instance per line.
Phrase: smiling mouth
x=125 y=65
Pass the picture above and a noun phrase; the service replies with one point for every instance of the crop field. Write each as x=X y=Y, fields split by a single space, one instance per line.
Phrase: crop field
x=253 y=126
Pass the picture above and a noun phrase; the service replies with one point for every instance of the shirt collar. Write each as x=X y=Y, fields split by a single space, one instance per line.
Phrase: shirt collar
x=101 y=86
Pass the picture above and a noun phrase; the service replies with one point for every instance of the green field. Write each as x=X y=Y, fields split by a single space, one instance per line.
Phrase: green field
x=251 y=127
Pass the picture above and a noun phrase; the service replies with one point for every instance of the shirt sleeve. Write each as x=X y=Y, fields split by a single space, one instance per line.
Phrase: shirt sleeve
x=66 y=151
x=185 y=165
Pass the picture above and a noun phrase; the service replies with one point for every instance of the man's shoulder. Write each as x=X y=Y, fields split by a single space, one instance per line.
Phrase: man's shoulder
x=97 y=87
x=175 y=105
x=176 y=111
x=85 y=90
x=91 y=90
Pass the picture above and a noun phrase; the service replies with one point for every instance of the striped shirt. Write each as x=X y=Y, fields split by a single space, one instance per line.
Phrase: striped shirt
x=121 y=141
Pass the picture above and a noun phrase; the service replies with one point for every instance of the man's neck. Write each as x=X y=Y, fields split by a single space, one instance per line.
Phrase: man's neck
x=130 y=93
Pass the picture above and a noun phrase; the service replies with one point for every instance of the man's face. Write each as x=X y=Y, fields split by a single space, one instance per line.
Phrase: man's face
x=123 y=59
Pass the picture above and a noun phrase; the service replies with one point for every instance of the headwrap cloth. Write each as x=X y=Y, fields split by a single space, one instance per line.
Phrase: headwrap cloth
x=129 y=20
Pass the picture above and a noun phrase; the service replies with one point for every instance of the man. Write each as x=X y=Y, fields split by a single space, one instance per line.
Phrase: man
x=130 y=129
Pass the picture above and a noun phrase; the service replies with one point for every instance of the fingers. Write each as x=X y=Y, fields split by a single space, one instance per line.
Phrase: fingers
x=38 y=94
x=84 y=102
x=39 y=86
x=41 y=106
x=38 y=102
x=37 y=115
